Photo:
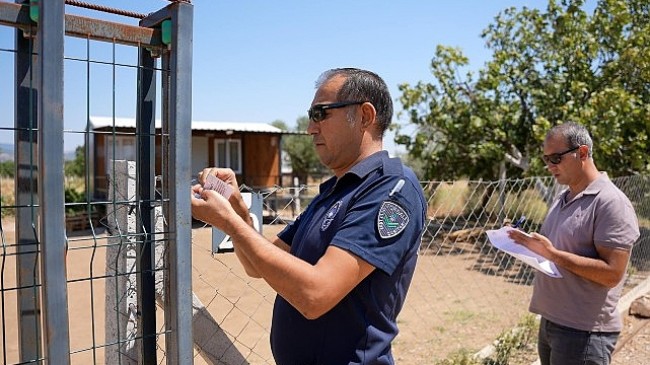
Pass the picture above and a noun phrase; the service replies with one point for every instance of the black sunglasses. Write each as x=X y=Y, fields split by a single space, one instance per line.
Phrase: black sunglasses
x=318 y=113
x=556 y=158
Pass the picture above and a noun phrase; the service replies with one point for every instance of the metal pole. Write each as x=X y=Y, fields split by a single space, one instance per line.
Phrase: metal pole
x=51 y=30
x=146 y=149
x=27 y=270
x=179 y=106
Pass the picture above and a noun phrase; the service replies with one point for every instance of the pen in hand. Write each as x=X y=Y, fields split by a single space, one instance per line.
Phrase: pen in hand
x=519 y=222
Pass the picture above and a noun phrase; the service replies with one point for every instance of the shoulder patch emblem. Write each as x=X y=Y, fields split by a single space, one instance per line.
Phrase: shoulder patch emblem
x=391 y=220
x=329 y=216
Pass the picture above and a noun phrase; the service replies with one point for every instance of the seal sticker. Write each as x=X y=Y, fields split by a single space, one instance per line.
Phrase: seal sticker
x=329 y=216
x=391 y=220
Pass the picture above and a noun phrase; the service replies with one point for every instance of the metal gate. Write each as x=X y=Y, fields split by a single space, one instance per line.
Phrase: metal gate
x=50 y=315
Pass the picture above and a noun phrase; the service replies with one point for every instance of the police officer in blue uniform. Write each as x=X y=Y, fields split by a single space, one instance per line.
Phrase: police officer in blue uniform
x=343 y=268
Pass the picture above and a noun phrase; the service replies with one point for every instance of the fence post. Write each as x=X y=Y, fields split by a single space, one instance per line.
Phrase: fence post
x=296 y=197
x=27 y=273
x=145 y=155
x=121 y=285
x=502 y=193
x=176 y=122
x=51 y=30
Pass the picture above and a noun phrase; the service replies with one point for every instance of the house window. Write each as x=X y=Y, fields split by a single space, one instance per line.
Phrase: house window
x=227 y=153
x=122 y=146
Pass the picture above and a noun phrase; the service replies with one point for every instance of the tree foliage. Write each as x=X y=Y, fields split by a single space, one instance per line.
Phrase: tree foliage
x=547 y=67
x=7 y=169
x=300 y=151
x=76 y=167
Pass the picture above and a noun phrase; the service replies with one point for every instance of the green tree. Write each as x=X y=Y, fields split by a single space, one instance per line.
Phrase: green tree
x=77 y=166
x=280 y=124
x=547 y=67
x=300 y=150
x=7 y=168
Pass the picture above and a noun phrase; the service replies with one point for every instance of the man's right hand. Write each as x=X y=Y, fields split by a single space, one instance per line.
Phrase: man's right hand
x=228 y=176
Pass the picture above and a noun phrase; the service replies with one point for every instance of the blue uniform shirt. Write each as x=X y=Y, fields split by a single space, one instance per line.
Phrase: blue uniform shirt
x=356 y=213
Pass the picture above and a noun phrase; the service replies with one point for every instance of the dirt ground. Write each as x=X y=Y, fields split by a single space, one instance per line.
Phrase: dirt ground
x=633 y=346
x=452 y=306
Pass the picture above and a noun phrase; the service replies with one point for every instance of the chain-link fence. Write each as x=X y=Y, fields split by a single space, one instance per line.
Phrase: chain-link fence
x=464 y=294
x=490 y=289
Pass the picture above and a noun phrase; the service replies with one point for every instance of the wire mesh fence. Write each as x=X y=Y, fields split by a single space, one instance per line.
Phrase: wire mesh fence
x=464 y=294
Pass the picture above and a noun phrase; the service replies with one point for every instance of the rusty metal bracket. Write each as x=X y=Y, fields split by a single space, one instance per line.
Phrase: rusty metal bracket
x=17 y=15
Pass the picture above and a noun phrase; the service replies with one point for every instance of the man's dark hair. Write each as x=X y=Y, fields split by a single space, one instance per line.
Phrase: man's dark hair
x=363 y=85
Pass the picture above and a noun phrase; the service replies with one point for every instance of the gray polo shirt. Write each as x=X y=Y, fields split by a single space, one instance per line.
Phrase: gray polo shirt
x=601 y=215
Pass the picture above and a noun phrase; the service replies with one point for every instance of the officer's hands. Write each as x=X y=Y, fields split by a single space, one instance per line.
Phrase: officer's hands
x=226 y=175
x=212 y=207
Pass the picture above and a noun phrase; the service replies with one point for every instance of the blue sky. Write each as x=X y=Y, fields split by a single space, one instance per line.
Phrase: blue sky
x=256 y=61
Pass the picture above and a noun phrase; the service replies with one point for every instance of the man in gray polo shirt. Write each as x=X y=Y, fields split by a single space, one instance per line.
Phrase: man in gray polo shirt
x=588 y=233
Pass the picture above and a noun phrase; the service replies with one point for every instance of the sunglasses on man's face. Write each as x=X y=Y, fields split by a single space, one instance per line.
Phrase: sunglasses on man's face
x=556 y=158
x=318 y=112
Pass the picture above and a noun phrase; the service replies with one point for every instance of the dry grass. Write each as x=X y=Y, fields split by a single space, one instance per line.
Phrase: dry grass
x=8 y=193
x=527 y=203
x=7 y=196
x=448 y=199
x=457 y=198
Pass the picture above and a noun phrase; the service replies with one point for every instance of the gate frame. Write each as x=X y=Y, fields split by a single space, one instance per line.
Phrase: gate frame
x=46 y=95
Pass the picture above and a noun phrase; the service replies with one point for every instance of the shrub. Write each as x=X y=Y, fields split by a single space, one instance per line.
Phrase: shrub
x=7 y=169
x=515 y=204
x=73 y=200
x=462 y=357
x=448 y=199
x=513 y=340
x=506 y=345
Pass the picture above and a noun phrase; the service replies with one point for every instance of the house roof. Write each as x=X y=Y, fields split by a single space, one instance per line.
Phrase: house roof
x=105 y=122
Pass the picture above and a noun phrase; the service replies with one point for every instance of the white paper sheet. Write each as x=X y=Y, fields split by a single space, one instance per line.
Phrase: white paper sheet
x=499 y=239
